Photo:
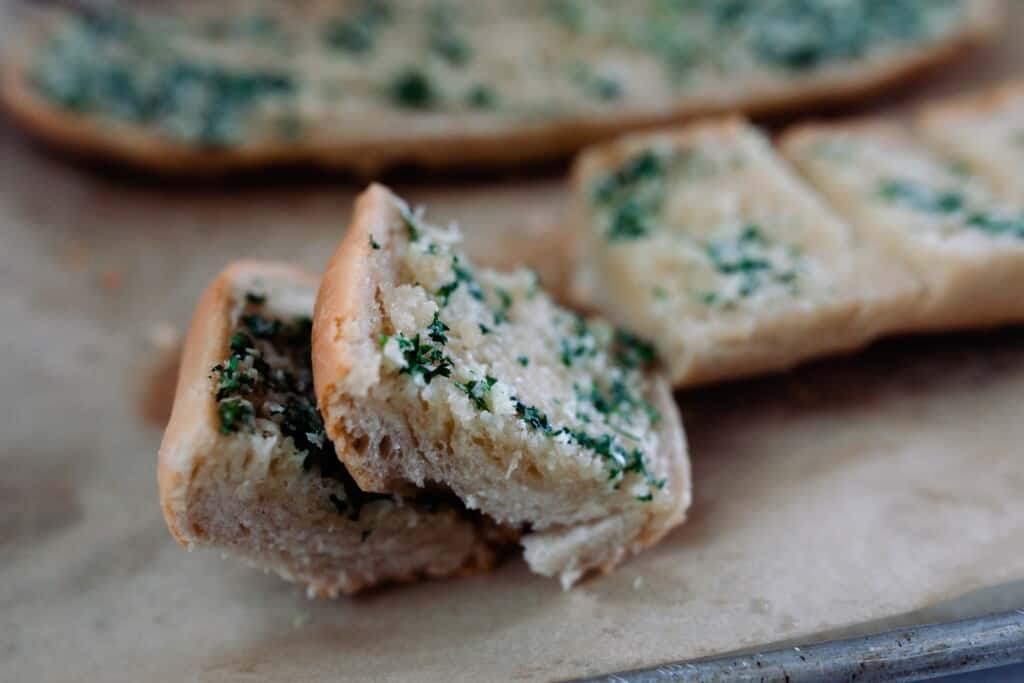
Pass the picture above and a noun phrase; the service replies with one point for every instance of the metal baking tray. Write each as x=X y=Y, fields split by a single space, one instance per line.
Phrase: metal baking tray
x=908 y=654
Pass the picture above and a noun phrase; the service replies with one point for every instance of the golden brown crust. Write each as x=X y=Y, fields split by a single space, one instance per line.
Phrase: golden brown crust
x=514 y=144
x=192 y=430
x=972 y=104
x=343 y=306
x=795 y=136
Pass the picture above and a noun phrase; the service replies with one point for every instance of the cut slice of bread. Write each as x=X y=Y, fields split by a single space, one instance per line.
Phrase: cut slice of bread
x=364 y=85
x=704 y=241
x=984 y=134
x=964 y=244
x=430 y=372
x=245 y=466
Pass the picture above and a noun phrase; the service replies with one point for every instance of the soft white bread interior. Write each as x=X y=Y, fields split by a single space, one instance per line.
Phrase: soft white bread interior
x=951 y=230
x=983 y=134
x=432 y=373
x=705 y=242
x=244 y=466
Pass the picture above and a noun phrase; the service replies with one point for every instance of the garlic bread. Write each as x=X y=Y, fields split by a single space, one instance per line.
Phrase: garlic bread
x=982 y=134
x=433 y=373
x=951 y=231
x=245 y=466
x=703 y=240
x=365 y=84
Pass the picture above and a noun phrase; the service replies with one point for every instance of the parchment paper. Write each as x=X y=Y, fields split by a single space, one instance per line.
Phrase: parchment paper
x=852 y=491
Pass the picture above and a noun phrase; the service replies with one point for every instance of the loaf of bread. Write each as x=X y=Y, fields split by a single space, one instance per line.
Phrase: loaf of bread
x=704 y=241
x=983 y=134
x=370 y=83
x=432 y=373
x=245 y=466
x=962 y=242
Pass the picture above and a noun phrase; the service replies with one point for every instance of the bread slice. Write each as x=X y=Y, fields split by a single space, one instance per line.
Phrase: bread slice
x=964 y=244
x=983 y=133
x=245 y=466
x=363 y=85
x=433 y=373
x=703 y=240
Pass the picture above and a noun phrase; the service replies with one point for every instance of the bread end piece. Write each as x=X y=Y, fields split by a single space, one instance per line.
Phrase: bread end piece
x=252 y=496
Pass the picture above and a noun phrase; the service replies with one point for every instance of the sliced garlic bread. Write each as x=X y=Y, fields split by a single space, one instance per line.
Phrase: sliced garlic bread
x=983 y=134
x=702 y=240
x=245 y=465
x=368 y=83
x=431 y=372
x=964 y=244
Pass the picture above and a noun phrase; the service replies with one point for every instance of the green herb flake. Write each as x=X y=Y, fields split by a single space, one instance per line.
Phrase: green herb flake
x=234 y=413
x=915 y=197
x=453 y=48
x=631 y=351
x=413 y=89
x=412 y=223
x=463 y=276
x=534 y=418
x=374 y=244
x=477 y=391
x=481 y=97
x=423 y=359
x=437 y=330
x=505 y=303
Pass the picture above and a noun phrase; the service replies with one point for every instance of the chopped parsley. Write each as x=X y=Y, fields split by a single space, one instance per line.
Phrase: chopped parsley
x=534 y=418
x=919 y=198
x=451 y=47
x=248 y=387
x=423 y=359
x=633 y=195
x=950 y=203
x=463 y=276
x=413 y=89
x=631 y=351
x=607 y=414
x=374 y=244
x=234 y=413
x=412 y=223
x=477 y=391
x=481 y=96
x=754 y=262
x=356 y=34
x=437 y=330
x=645 y=166
x=505 y=301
